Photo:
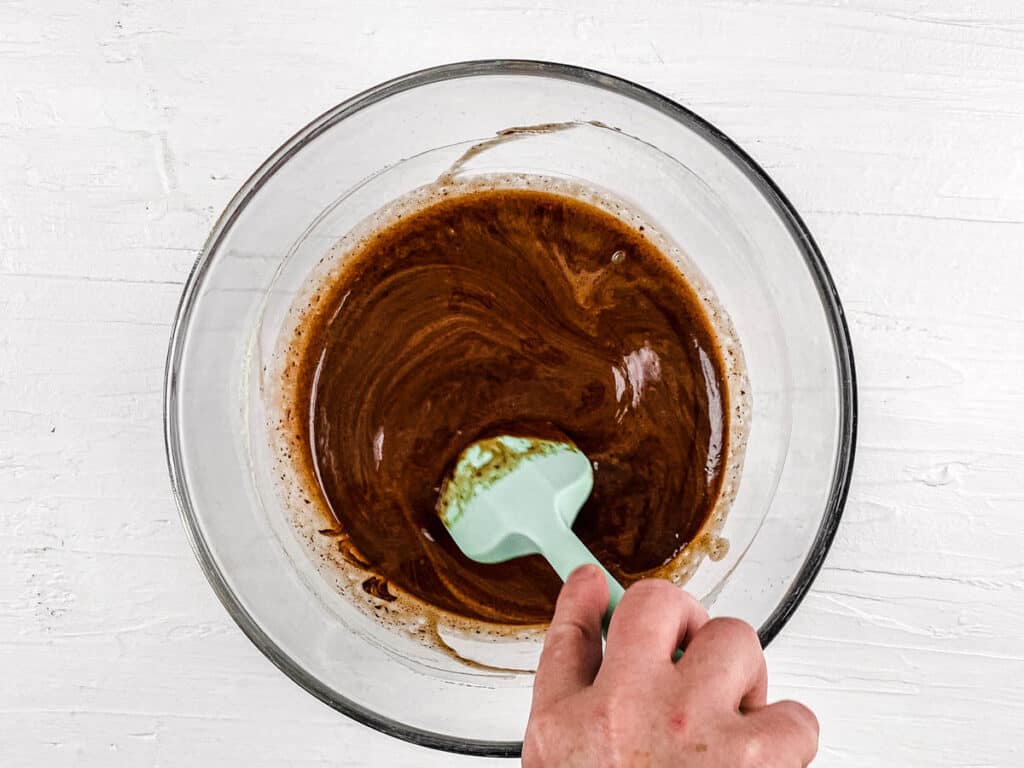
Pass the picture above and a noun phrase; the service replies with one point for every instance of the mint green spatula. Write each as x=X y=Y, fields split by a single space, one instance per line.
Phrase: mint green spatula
x=515 y=496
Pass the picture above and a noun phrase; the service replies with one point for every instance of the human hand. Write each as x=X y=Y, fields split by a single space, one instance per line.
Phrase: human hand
x=638 y=708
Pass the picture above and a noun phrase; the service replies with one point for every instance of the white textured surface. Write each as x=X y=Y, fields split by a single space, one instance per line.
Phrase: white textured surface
x=897 y=129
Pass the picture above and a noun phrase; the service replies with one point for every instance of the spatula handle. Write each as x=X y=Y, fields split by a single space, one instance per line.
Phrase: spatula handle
x=568 y=553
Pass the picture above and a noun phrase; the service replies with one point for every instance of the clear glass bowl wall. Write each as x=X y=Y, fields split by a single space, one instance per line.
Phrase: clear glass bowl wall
x=697 y=187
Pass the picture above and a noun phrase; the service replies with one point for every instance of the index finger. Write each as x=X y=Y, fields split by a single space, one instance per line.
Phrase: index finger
x=572 y=646
x=654 y=618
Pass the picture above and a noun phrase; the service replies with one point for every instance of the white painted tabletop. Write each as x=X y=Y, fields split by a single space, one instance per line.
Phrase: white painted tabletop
x=897 y=130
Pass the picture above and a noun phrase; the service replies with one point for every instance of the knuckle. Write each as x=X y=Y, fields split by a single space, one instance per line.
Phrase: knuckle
x=569 y=632
x=613 y=726
x=801 y=715
x=606 y=715
x=737 y=629
x=541 y=734
x=754 y=751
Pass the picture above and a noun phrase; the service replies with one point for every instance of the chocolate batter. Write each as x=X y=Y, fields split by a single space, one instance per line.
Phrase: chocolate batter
x=514 y=311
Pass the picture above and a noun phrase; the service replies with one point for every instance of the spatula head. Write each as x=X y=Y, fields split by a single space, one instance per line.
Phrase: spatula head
x=507 y=492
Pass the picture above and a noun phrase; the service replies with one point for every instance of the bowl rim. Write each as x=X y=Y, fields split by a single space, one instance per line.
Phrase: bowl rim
x=520 y=67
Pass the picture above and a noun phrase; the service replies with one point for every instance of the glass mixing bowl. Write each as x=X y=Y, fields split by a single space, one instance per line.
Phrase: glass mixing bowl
x=700 y=189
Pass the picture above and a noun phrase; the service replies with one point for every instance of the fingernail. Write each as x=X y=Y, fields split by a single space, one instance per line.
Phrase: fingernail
x=582 y=573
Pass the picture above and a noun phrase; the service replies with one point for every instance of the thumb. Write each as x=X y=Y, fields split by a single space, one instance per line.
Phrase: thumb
x=572 y=647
